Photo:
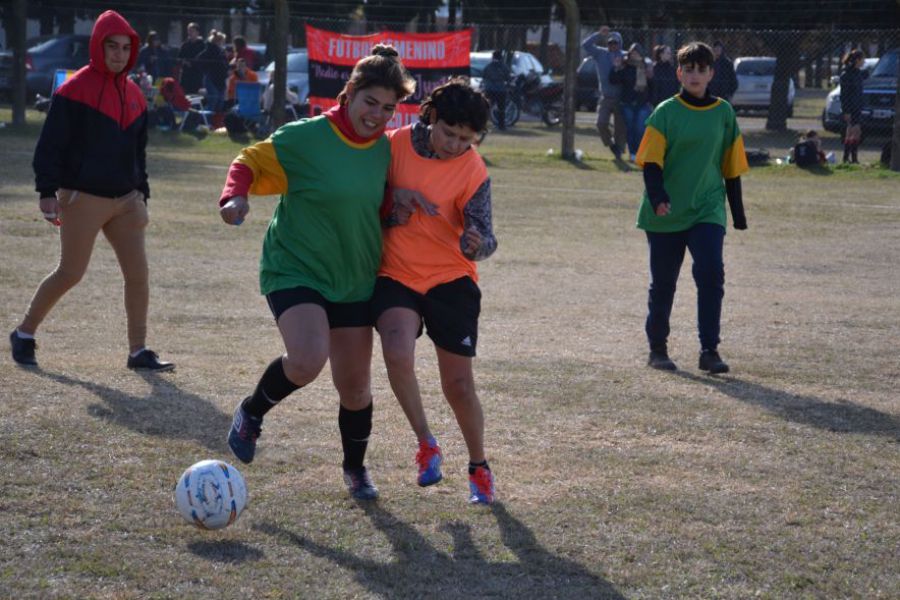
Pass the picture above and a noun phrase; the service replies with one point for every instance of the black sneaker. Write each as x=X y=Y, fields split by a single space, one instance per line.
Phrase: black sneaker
x=660 y=360
x=148 y=360
x=22 y=349
x=712 y=362
x=360 y=484
x=617 y=152
x=245 y=430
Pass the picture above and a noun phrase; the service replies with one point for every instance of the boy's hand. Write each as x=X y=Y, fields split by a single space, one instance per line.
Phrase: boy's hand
x=663 y=209
x=234 y=211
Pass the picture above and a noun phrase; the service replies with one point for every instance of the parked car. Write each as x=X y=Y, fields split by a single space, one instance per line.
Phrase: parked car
x=755 y=75
x=587 y=89
x=879 y=95
x=831 y=114
x=523 y=63
x=45 y=55
x=297 y=72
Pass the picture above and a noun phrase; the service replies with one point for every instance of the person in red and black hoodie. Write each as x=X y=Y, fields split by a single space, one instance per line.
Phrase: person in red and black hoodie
x=90 y=172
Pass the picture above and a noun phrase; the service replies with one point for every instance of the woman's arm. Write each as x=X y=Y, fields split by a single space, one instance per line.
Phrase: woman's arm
x=478 y=241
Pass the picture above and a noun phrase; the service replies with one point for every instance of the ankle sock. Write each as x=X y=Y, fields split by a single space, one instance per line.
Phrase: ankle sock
x=273 y=387
x=473 y=466
x=355 y=427
x=24 y=336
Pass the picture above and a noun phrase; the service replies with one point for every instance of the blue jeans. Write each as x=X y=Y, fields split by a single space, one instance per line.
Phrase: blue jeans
x=635 y=119
x=705 y=241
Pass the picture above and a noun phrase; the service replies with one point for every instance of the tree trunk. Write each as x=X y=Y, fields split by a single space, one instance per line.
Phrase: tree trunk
x=279 y=52
x=895 y=143
x=786 y=54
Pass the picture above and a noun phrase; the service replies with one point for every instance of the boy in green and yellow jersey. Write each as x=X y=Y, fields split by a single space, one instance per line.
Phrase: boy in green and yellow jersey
x=693 y=156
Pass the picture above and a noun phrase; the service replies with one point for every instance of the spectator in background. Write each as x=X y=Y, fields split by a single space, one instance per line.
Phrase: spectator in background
x=808 y=151
x=238 y=71
x=608 y=104
x=664 y=83
x=631 y=75
x=724 y=82
x=191 y=71
x=852 y=102
x=154 y=58
x=242 y=51
x=215 y=73
x=494 y=81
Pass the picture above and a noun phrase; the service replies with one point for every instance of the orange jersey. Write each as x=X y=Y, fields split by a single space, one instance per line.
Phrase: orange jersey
x=426 y=252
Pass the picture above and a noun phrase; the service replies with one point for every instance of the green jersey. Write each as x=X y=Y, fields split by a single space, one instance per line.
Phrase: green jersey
x=697 y=148
x=326 y=231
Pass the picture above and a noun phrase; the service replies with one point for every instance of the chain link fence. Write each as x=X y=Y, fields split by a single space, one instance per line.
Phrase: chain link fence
x=780 y=73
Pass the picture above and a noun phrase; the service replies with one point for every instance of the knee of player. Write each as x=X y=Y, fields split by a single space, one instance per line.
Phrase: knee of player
x=459 y=389
x=303 y=367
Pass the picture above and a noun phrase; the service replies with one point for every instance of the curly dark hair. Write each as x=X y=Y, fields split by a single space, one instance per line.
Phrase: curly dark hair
x=456 y=103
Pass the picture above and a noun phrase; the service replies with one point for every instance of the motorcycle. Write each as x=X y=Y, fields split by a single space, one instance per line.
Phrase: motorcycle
x=527 y=94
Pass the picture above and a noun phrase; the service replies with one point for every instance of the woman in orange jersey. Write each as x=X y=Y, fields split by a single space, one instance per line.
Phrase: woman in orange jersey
x=439 y=225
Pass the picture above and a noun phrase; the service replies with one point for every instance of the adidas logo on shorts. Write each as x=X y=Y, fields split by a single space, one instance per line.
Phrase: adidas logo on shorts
x=467 y=341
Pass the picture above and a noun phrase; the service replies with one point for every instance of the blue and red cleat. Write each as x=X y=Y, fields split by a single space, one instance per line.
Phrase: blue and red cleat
x=429 y=459
x=481 y=485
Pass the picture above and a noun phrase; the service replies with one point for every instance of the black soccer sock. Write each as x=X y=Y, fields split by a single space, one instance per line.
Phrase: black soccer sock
x=473 y=466
x=355 y=426
x=273 y=387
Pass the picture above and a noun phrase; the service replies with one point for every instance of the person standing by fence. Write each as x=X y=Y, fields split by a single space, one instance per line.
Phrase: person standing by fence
x=852 y=102
x=631 y=74
x=494 y=81
x=724 y=81
x=608 y=106
x=664 y=83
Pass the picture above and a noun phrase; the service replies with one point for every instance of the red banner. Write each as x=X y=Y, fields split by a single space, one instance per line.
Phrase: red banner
x=431 y=58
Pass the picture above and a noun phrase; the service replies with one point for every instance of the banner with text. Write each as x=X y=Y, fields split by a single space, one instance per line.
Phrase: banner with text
x=431 y=58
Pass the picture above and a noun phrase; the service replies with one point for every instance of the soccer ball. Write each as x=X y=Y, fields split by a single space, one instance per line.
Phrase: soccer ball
x=211 y=494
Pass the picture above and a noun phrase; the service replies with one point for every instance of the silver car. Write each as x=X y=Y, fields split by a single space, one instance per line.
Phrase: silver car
x=755 y=75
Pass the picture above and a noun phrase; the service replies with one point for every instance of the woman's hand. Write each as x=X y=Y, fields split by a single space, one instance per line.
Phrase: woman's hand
x=406 y=202
x=50 y=209
x=663 y=209
x=234 y=211
x=470 y=242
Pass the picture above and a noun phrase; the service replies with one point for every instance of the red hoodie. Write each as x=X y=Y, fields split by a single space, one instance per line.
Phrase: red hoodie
x=95 y=135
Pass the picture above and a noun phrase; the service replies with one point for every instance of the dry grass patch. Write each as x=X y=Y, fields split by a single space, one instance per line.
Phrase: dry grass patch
x=778 y=480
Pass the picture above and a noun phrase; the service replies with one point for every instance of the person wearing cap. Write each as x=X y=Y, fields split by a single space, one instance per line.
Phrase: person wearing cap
x=610 y=48
x=90 y=174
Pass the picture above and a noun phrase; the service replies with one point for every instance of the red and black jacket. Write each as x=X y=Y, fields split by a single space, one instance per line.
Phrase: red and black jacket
x=95 y=137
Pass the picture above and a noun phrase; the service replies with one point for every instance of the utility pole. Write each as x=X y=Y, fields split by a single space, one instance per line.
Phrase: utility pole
x=279 y=51
x=573 y=53
x=895 y=142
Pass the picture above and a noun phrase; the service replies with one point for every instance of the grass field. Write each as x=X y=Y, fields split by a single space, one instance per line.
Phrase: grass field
x=779 y=480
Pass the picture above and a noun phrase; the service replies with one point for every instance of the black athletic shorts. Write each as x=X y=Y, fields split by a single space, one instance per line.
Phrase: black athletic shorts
x=449 y=311
x=340 y=314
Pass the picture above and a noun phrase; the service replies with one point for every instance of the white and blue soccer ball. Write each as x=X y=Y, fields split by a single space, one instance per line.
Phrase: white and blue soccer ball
x=211 y=494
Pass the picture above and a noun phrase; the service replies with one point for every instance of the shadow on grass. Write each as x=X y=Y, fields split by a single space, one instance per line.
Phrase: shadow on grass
x=225 y=551
x=420 y=570
x=839 y=417
x=166 y=411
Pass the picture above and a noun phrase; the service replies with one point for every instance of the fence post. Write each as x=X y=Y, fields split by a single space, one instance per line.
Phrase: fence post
x=572 y=55
x=19 y=87
x=895 y=142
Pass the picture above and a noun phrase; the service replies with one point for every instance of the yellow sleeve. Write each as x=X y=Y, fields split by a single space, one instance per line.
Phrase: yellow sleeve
x=268 y=175
x=652 y=148
x=734 y=159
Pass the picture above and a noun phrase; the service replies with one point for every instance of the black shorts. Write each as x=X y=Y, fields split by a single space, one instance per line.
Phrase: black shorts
x=340 y=314
x=449 y=311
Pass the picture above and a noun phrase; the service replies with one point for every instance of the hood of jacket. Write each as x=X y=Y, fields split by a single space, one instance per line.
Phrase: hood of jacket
x=107 y=24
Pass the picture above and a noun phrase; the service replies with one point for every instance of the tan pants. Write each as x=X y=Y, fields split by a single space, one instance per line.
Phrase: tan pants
x=610 y=108
x=123 y=221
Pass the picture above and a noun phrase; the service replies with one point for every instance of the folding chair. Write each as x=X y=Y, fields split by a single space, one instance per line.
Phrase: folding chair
x=197 y=109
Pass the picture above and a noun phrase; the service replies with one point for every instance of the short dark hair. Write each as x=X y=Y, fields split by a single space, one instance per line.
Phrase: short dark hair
x=853 y=56
x=696 y=53
x=239 y=42
x=456 y=103
x=497 y=55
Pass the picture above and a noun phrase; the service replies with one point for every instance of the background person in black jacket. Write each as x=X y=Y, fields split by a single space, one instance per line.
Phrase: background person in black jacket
x=724 y=82
x=90 y=172
x=852 y=102
x=664 y=83
x=191 y=72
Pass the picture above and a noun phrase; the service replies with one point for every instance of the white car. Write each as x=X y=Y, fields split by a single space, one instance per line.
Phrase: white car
x=755 y=75
x=831 y=114
x=523 y=63
x=297 y=72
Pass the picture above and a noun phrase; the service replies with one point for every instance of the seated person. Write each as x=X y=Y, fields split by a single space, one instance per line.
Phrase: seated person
x=808 y=151
x=237 y=71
